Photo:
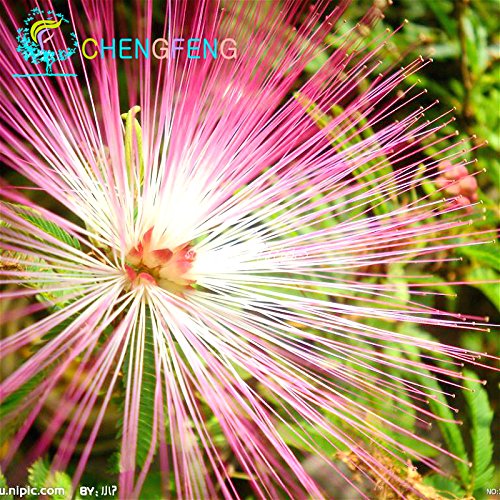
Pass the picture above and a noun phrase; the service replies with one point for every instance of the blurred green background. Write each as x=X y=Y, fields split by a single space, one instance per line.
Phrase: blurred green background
x=463 y=39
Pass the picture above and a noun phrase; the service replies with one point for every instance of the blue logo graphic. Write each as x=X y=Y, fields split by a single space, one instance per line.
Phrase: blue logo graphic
x=35 y=43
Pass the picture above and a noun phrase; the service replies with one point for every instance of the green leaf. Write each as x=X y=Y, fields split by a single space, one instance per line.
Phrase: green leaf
x=9 y=407
x=481 y=417
x=442 y=11
x=38 y=473
x=152 y=489
x=148 y=387
x=476 y=278
x=308 y=438
x=40 y=476
x=445 y=486
x=483 y=254
x=10 y=403
x=60 y=480
x=3 y=484
x=449 y=429
x=47 y=226
x=474 y=479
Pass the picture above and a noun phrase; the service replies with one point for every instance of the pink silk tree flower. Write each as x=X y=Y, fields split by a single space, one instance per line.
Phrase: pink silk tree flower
x=220 y=249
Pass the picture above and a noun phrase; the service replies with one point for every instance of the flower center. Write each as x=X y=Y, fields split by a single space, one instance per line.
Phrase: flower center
x=164 y=267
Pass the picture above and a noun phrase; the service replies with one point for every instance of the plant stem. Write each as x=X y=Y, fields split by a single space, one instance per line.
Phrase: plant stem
x=467 y=77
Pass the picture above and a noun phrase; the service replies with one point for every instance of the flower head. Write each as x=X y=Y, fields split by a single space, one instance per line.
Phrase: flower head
x=165 y=267
x=228 y=255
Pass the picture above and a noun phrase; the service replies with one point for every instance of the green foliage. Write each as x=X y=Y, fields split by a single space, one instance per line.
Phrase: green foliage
x=38 y=473
x=487 y=255
x=148 y=387
x=40 y=476
x=147 y=404
x=471 y=440
x=48 y=227
x=449 y=429
x=40 y=265
x=488 y=281
x=308 y=438
x=446 y=486
x=484 y=270
x=481 y=417
x=3 y=484
x=9 y=407
x=11 y=402
x=153 y=486
x=473 y=477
